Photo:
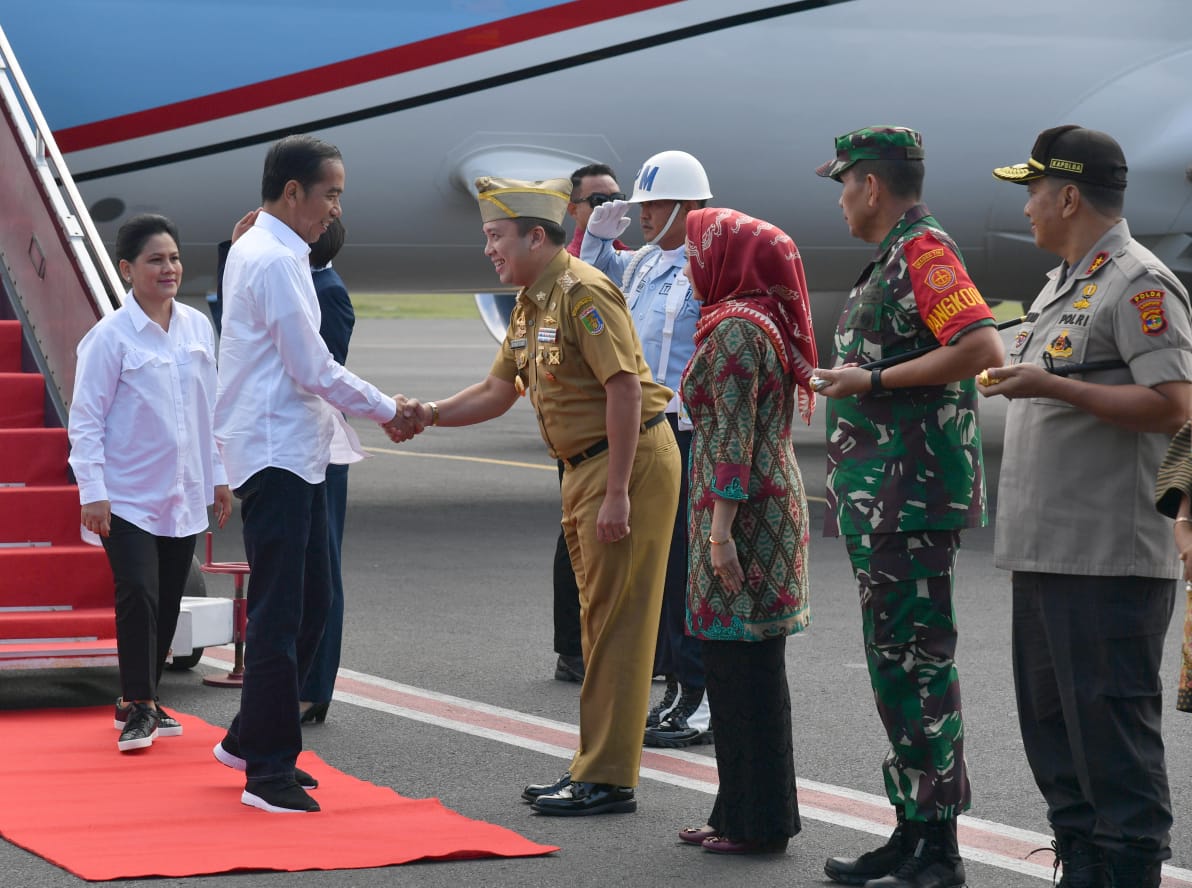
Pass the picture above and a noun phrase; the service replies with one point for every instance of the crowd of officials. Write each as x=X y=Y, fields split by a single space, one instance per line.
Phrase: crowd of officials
x=665 y=381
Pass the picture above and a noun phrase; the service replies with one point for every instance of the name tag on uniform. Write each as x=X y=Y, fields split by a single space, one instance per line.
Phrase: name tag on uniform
x=548 y=335
x=518 y=343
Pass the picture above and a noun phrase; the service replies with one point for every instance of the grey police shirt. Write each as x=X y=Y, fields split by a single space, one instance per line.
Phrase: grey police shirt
x=1076 y=493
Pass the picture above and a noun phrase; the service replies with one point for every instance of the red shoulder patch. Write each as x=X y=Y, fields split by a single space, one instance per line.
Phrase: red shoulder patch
x=1097 y=262
x=1150 y=311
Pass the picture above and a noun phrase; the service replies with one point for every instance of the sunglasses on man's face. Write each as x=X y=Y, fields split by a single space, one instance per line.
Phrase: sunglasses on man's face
x=596 y=198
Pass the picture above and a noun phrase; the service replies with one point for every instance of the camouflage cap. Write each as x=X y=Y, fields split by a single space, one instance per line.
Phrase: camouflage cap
x=873 y=143
x=515 y=198
x=1071 y=152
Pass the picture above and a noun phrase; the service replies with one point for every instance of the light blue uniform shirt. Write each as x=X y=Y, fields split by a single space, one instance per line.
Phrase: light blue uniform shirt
x=658 y=282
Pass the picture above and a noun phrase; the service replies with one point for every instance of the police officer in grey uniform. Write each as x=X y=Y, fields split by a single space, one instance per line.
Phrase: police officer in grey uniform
x=1093 y=565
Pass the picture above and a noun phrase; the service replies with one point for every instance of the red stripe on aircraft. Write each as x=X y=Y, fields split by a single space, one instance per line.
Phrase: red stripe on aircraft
x=350 y=72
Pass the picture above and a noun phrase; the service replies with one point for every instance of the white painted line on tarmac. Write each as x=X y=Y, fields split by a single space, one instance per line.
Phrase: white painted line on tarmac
x=981 y=841
x=389 y=451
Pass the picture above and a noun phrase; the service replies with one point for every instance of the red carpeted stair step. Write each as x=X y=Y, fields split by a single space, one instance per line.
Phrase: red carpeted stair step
x=77 y=575
x=83 y=624
x=10 y=346
x=40 y=515
x=36 y=655
x=33 y=456
x=22 y=400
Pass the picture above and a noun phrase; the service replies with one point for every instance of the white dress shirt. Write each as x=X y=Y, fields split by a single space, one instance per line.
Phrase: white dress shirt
x=141 y=419
x=279 y=386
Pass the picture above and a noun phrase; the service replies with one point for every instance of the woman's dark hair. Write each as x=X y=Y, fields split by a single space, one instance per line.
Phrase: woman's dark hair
x=328 y=245
x=295 y=157
x=133 y=234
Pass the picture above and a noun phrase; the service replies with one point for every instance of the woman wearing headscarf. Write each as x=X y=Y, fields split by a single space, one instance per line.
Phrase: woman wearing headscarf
x=751 y=372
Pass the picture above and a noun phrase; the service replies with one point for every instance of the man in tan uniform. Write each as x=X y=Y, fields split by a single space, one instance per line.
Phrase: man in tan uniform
x=572 y=349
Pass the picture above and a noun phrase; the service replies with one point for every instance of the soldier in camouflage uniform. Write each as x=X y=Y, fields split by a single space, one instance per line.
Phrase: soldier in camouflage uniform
x=904 y=477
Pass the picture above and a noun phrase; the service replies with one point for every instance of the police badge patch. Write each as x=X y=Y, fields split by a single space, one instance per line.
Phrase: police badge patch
x=1150 y=311
x=1061 y=346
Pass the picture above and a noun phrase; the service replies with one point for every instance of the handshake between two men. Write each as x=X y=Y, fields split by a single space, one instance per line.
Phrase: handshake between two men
x=411 y=418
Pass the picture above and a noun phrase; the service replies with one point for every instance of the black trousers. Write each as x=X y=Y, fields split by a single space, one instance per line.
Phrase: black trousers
x=677 y=653
x=320 y=682
x=150 y=573
x=1087 y=653
x=751 y=720
x=289 y=593
x=566 y=606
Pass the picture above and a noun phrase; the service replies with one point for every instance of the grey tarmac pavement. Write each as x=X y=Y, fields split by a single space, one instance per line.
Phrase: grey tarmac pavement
x=447 y=567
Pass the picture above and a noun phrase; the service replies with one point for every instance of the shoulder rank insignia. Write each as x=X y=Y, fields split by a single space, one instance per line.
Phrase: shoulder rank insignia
x=1060 y=347
x=567 y=280
x=1097 y=262
x=1150 y=311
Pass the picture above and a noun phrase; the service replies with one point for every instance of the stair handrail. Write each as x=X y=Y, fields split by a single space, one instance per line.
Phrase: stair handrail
x=43 y=150
x=55 y=307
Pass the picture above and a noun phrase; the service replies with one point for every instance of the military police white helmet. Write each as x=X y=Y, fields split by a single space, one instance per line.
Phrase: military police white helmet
x=671 y=175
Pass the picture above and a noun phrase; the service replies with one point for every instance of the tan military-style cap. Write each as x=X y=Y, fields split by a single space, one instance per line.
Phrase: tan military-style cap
x=515 y=198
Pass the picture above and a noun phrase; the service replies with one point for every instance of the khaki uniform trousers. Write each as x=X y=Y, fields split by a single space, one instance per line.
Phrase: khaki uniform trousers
x=620 y=594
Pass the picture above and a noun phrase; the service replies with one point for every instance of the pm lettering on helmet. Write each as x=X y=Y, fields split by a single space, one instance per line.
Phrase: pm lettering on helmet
x=645 y=180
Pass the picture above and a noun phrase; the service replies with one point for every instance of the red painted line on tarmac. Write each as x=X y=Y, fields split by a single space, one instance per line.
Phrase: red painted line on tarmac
x=1012 y=849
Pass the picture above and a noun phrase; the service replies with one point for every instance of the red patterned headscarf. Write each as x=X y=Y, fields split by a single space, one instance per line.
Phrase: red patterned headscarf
x=746 y=268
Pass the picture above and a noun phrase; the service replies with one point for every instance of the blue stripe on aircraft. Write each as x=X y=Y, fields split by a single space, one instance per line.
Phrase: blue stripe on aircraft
x=89 y=61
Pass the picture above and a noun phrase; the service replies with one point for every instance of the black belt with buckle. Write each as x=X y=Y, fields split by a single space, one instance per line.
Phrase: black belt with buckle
x=602 y=445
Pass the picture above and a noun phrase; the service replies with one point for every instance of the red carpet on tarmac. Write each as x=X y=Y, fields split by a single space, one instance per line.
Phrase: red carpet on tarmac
x=172 y=810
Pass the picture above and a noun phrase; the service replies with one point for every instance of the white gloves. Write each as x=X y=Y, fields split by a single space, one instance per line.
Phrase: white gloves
x=608 y=221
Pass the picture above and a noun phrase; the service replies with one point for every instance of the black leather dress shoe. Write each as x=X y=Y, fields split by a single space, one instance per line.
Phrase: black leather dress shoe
x=534 y=790
x=581 y=799
x=569 y=668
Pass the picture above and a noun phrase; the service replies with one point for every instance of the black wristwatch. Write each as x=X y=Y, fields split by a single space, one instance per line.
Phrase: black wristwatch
x=875 y=380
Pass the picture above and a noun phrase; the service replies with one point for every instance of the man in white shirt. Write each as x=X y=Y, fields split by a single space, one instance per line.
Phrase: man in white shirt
x=277 y=409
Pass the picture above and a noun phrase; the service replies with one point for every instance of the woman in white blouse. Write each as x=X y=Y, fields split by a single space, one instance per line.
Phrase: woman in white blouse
x=145 y=459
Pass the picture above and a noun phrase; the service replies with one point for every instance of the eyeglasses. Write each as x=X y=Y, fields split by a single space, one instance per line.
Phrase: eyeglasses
x=595 y=199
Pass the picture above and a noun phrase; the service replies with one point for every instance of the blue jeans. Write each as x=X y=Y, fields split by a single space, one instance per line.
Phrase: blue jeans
x=289 y=593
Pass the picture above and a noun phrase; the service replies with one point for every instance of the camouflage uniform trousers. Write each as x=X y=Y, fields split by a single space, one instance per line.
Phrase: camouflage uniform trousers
x=909 y=628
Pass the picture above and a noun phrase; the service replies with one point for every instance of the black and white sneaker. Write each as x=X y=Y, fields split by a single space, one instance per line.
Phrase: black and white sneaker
x=278 y=796
x=167 y=725
x=140 y=729
x=227 y=752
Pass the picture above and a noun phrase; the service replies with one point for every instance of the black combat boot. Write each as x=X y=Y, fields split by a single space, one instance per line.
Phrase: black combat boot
x=1131 y=871
x=934 y=863
x=872 y=864
x=1081 y=861
x=674 y=732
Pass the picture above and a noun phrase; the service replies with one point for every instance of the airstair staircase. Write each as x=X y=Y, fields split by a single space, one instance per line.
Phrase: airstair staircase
x=56 y=281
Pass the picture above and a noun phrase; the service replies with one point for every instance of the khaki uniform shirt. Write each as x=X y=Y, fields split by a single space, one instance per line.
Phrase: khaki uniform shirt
x=1075 y=494
x=570 y=332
